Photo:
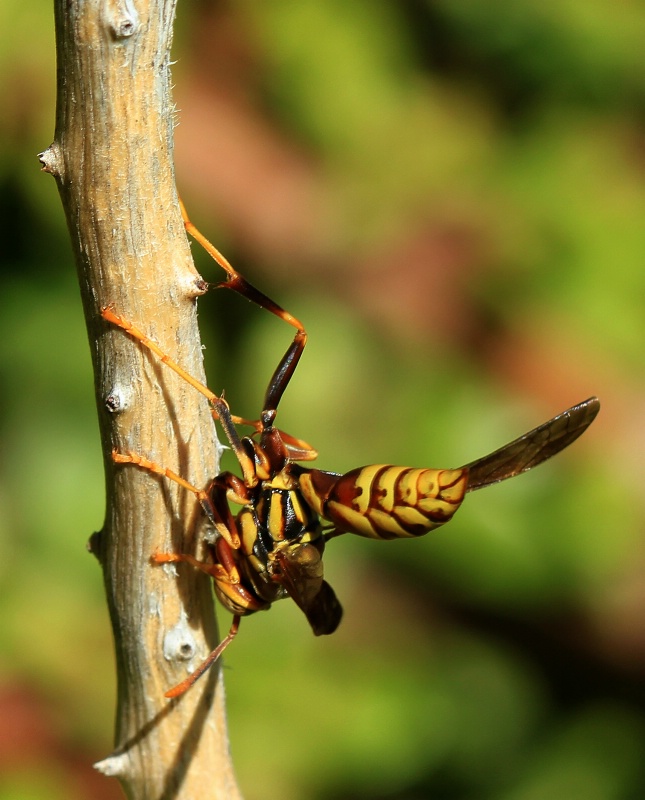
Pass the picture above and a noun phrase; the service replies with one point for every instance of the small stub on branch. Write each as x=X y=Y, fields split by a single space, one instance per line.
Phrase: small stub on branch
x=113 y=766
x=51 y=160
x=122 y=20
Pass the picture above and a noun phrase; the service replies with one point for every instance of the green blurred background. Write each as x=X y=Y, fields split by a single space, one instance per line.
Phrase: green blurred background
x=451 y=195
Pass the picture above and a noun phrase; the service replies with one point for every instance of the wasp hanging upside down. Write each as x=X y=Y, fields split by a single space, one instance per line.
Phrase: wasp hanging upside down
x=273 y=547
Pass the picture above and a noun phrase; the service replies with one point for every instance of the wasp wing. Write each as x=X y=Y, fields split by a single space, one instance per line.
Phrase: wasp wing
x=533 y=447
x=300 y=572
x=323 y=611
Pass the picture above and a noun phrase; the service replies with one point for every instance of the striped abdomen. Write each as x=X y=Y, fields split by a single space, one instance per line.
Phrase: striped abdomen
x=385 y=502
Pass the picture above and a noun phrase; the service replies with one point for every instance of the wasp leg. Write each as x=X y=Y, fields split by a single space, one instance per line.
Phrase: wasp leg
x=230 y=592
x=216 y=571
x=180 y=688
x=238 y=283
x=109 y=314
x=226 y=577
x=228 y=532
x=219 y=407
x=224 y=487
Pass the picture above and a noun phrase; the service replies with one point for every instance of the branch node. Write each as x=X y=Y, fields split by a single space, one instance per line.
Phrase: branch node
x=125 y=21
x=95 y=544
x=51 y=160
x=115 y=401
x=197 y=287
x=179 y=643
x=114 y=766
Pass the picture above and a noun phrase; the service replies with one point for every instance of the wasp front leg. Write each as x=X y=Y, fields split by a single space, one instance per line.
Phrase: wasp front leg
x=285 y=369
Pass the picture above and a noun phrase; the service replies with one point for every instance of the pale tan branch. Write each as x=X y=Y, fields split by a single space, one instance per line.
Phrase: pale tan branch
x=112 y=160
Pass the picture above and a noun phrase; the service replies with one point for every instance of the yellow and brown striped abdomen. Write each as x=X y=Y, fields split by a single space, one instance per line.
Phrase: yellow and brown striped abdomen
x=385 y=502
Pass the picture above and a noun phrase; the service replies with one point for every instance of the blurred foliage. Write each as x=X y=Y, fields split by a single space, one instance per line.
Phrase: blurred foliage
x=476 y=181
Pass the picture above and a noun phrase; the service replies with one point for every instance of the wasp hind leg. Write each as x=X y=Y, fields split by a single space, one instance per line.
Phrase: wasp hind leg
x=220 y=576
x=182 y=687
x=231 y=593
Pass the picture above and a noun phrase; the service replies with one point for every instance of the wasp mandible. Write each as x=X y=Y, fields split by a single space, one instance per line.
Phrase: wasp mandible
x=273 y=547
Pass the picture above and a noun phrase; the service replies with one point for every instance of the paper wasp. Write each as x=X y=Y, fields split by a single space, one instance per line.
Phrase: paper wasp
x=272 y=548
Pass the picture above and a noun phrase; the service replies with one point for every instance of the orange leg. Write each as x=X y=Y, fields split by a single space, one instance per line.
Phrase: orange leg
x=216 y=571
x=235 y=597
x=219 y=406
x=180 y=688
x=228 y=533
x=239 y=284
x=228 y=583
x=108 y=314
x=298 y=449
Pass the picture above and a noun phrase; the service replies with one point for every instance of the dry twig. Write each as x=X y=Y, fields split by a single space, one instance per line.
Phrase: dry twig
x=112 y=159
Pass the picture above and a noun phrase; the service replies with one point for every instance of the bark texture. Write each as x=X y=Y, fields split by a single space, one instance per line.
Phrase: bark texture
x=112 y=159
